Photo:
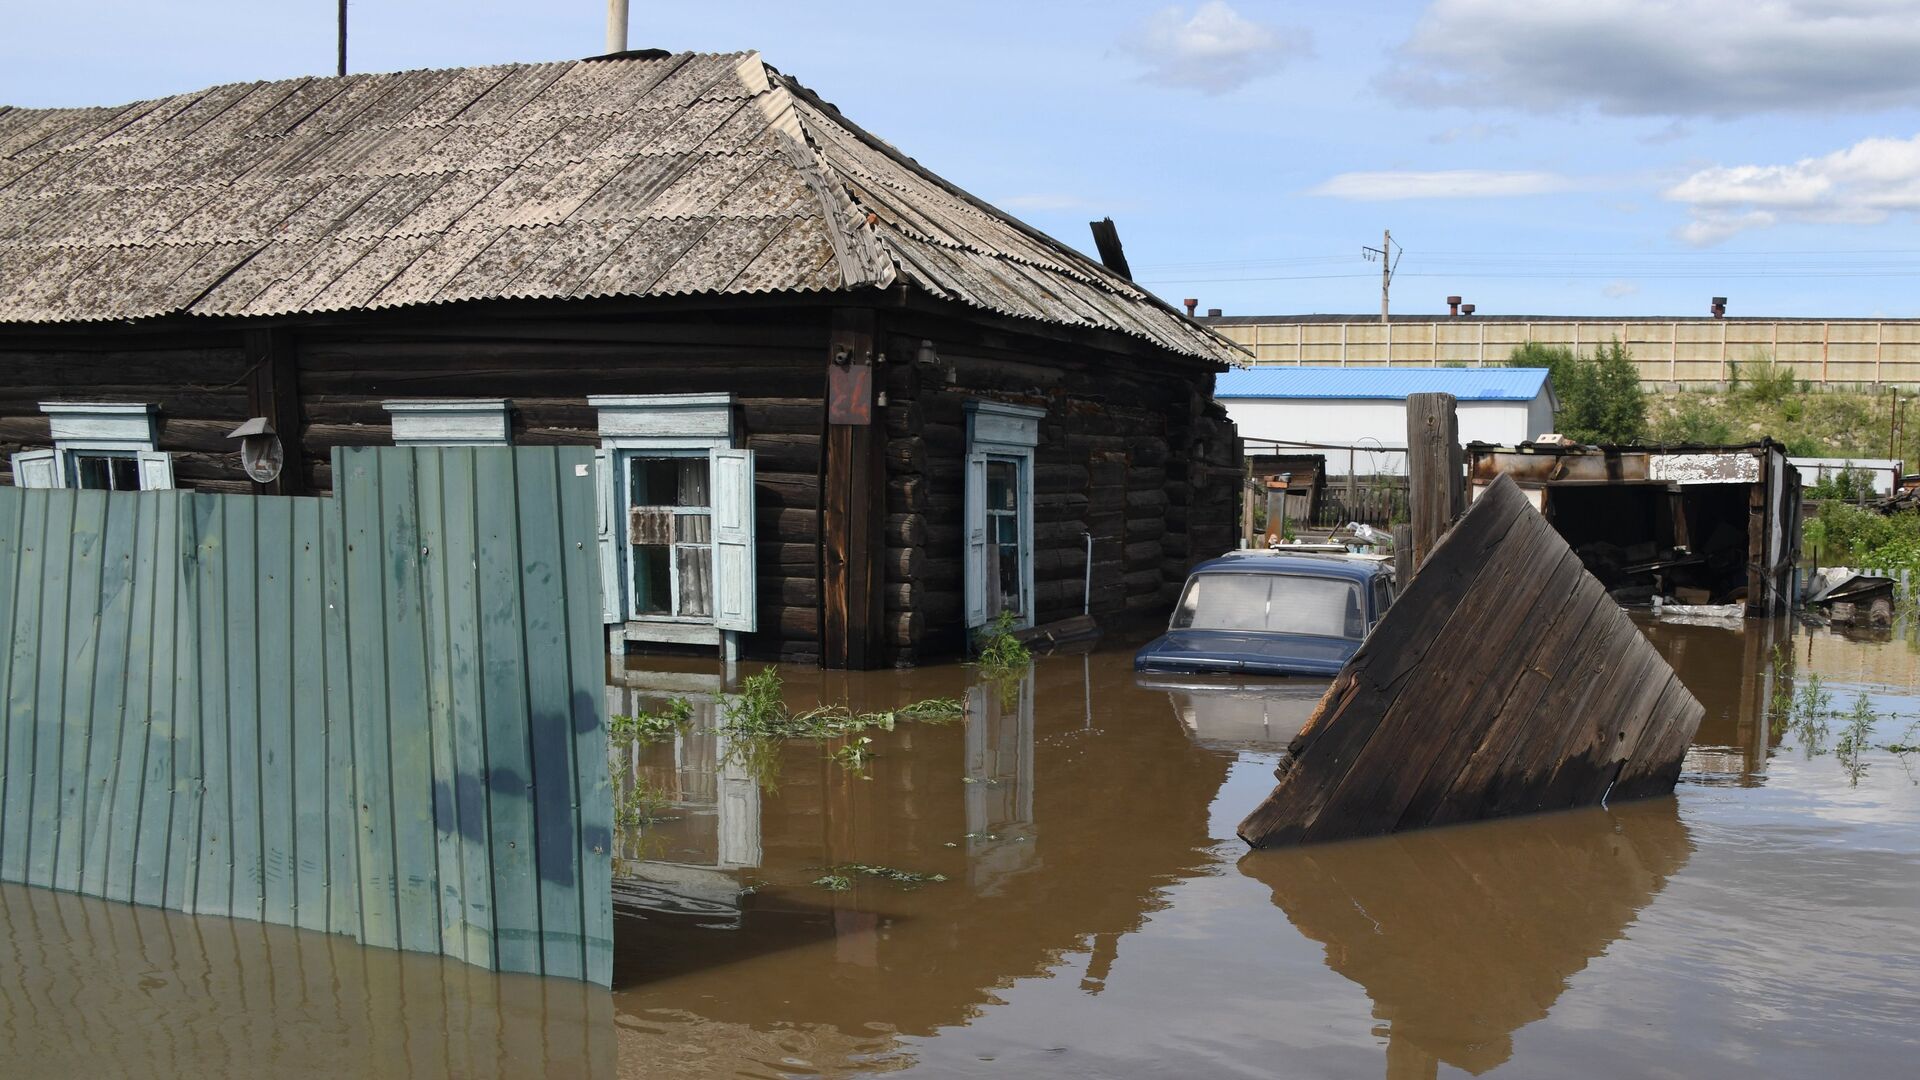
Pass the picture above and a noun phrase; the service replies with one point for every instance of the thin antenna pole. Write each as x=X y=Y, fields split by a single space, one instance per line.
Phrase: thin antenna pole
x=342 y=66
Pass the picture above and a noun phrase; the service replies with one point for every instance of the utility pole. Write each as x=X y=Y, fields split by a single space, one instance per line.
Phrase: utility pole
x=1389 y=255
x=342 y=67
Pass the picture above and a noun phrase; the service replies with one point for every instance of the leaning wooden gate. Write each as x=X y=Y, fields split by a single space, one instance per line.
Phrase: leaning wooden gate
x=378 y=714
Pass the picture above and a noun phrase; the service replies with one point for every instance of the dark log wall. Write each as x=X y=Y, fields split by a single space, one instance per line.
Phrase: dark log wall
x=1132 y=449
x=206 y=396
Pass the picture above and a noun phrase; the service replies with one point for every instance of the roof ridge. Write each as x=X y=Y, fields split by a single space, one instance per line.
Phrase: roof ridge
x=864 y=256
x=1074 y=263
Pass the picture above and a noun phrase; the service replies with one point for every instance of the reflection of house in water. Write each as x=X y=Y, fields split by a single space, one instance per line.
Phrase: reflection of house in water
x=999 y=783
x=1731 y=669
x=1462 y=936
x=839 y=967
x=709 y=801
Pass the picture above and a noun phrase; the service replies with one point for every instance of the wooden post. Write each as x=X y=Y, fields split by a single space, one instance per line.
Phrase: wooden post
x=853 y=499
x=1435 y=493
x=273 y=391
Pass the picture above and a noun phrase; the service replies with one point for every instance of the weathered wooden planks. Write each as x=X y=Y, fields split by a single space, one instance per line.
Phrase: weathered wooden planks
x=378 y=714
x=1502 y=682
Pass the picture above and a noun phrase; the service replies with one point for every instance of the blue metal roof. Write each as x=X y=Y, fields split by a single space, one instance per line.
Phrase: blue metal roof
x=1466 y=384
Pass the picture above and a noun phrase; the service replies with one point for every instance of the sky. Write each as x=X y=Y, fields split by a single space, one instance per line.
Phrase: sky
x=1603 y=157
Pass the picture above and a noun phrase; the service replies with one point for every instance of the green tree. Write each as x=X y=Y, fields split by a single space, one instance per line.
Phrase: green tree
x=1600 y=397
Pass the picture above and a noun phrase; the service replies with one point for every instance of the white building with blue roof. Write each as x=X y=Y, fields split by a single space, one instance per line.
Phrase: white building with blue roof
x=1357 y=417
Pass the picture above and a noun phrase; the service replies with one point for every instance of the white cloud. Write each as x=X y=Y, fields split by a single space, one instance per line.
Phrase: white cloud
x=1862 y=184
x=1215 y=50
x=1443 y=184
x=1620 y=290
x=1473 y=133
x=1663 y=57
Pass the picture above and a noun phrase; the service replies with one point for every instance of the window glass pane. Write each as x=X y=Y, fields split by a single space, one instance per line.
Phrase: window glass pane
x=668 y=481
x=1224 y=602
x=1009 y=576
x=126 y=473
x=1320 y=607
x=652 y=579
x=1003 y=485
x=696 y=580
x=692 y=482
x=692 y=528
x=94 y=474
x=1006 y=529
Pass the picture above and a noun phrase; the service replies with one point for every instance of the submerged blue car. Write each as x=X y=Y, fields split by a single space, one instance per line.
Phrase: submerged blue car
x=1260 y=613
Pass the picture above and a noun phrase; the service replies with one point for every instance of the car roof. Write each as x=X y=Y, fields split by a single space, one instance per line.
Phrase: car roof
x=1351 y=567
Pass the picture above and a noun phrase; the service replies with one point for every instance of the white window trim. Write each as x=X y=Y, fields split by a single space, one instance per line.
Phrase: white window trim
x=451 y=421
x=657 y=423
x=996 y=429
x=112 y=427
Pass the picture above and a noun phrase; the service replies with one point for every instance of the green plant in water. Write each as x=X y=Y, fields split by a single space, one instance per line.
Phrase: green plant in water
x=757 y=719
x=839 y=877
x=997 y=651
x=654 y=727
x=1853 y=739
x=854 y=756
x=1810 y=712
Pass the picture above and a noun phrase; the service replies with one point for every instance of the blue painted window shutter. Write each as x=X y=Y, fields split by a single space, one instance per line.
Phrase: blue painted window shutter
x=610 y=594
x=733 y=564
x=35 y=469
x=156 y=470
x=975 y=575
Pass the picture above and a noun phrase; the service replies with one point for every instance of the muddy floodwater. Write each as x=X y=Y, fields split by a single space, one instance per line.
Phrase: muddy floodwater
x=1050 y=886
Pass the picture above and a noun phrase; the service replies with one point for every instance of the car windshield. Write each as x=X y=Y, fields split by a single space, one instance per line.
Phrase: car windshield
x=1272 y=603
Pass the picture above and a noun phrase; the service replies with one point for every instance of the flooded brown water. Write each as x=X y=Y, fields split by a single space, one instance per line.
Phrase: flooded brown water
x=1087 y=911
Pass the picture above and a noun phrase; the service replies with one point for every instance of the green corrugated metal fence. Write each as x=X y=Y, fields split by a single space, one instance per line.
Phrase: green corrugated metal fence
x=378 y=714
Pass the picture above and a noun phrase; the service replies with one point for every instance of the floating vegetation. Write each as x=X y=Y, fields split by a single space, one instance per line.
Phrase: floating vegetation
x=853 y=756
x=675 y=719
x=755 y=721
x=759 y=712
x=840 y=877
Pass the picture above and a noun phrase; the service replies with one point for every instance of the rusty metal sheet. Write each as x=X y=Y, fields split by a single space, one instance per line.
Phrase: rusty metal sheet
x=649 y=525
x=850 y=394
x=1705 y=467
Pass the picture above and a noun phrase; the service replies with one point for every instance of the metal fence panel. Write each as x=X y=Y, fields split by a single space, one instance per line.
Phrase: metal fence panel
x=377 y=714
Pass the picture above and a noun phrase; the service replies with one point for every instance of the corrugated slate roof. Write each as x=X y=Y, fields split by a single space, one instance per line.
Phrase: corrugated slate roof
x=1466 y=384
x=640 y=175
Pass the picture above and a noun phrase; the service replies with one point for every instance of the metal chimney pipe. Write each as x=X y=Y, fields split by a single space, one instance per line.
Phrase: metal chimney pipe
x=616 y=26
x=1466 y=309
x=1453 y=305
x=1192 y=306
x=1213 y=313
x=1719 y=308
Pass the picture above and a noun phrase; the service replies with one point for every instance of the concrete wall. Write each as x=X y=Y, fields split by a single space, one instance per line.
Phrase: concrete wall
x=1668 y=351
x=1371 y=422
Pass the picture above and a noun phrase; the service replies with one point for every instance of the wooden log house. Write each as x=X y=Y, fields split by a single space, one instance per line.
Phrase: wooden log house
x=844 y=410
